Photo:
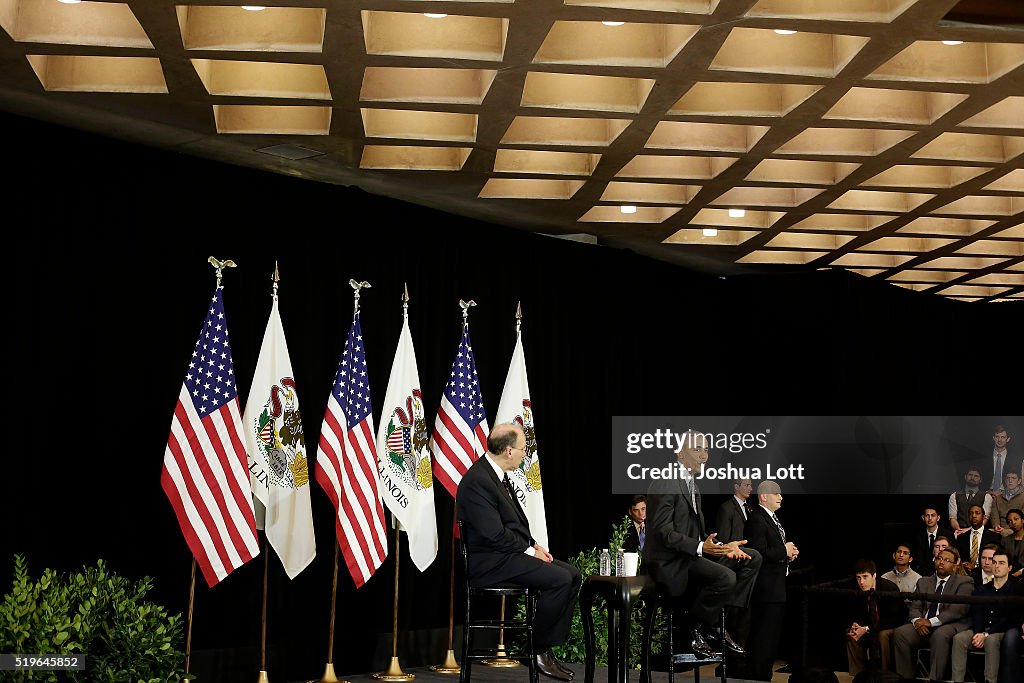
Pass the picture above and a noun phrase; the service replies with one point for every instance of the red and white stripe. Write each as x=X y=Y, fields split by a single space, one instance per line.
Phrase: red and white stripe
x=347 y=472
x=455 y=445
x=206 y=479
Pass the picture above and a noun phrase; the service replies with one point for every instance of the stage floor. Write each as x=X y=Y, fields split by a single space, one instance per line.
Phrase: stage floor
x=485 y=674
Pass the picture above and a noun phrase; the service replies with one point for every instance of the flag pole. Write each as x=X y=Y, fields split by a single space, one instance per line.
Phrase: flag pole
x=502 y=660
x=394 y=671
x=263 y=678
x=450 y=666
x=329 y=675
x=191 y=603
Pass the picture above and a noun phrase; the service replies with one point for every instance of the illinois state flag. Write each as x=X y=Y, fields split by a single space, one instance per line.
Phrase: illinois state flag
x=403 y=459
x=204 y=473
x=278 y=467
x=515 y=406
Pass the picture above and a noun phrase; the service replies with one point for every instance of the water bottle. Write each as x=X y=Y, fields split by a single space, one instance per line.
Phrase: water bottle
x=620 y=563
x=606 y=563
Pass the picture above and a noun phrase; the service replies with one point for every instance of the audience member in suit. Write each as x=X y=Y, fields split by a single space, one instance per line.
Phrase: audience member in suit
x=1000 y=460
x=679 y=552
x=934 y=622
x=1014 y=543
x=869 y=636
x=960 y=502
x=982 y=574
x=636 y=533
x=729 y=522
x=1011 y=648
x=989 y=624
x=1011 y=497
x=500 y=548
x=925 y=538
x=766 y=535
x=941 y=543
x=975 y=538
x=902 y=574
x=732 y=514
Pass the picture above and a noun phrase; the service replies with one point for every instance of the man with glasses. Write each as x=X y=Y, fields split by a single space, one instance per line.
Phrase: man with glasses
x=500 y=549
x=933 y=621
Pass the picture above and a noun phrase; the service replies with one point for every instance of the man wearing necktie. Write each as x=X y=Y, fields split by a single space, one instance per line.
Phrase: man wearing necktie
x=766 y=534
x=873 y=620
x=679 y=552
x=975 y=538
x=501 y=550
x=933 y=621
x=1001 y=460
x=636 y=533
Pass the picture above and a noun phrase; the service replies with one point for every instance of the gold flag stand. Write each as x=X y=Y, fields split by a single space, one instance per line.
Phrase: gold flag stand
x=329 y=675
x=394 y=671
x=263 y=678
x=191 y=603
x=450 y=666
x=501 y=661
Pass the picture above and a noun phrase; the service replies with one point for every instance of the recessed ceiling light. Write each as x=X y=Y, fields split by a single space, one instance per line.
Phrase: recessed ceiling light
x=254 y=8
x=952 y=42
x=785 y=31
x=434 y=15
x=737 y=213
x=69 y=2
x=613 y=23
x=625 y=208
x=710 y=232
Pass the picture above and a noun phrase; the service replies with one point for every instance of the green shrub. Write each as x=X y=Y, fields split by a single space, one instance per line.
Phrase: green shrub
x=93 y=612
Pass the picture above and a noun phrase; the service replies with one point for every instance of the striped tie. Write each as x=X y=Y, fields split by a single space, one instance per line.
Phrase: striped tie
x=975 y=539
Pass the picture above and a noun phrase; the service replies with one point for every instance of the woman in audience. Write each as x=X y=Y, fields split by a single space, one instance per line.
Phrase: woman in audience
x=1014 y=543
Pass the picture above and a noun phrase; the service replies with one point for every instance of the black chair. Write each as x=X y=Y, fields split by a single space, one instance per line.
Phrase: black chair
x=502 y=590
x=656 y=601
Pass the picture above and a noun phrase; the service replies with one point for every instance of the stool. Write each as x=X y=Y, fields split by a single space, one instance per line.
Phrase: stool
x=655 y=601
x=502 y=590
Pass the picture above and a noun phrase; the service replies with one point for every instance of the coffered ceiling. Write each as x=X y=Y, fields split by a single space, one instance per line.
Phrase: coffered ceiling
x=881 y=136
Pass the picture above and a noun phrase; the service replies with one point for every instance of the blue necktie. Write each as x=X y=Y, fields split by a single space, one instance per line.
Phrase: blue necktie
x=642 y=533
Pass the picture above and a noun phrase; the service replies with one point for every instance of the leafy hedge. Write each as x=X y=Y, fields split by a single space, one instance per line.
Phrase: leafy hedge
x=124 y=638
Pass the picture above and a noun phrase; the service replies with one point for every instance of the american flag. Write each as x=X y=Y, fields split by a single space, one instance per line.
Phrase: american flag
x=347 y=463
x=460 y=430
x=205 y=474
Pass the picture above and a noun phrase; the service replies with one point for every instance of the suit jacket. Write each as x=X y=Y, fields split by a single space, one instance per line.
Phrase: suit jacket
x=631 y=543
x=730 y=521
x=495 y=528
x=890 y=613
x=674 y=530
x=763 y=535
x=963 y=543
x=955 y=585
x=987 y=466
x=923 y=562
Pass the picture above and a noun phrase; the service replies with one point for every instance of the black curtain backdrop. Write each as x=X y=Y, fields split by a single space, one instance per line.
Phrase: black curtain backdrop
x=110 y=240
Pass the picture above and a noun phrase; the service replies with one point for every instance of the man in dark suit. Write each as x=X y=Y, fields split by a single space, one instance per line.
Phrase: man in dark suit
x=970 y=542
x=680 y=553
x=934 y=622
x=766 y=534
x=732 y=514
x=500 y=548
x=997 y=462
x=923 y=539
x=872 y=620
x=636 y=533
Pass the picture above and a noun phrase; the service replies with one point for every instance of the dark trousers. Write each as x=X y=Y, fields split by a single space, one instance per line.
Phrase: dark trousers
x=722 y=583
x=559 y=583
x=766 y=621
x=1009 y=652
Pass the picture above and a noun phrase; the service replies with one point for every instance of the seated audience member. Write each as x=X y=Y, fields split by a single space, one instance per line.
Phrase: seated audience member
x=636 y=533
x=932 y=621
x=902 y=574
x=960 y=502
x=924 y=539
x=989 y=624
x=1014 y=543
x=941 y=543
x=1000 y=460
x=869 y=636
x=1010 y=498
x=982 y=574
x=732 y=514
x=1010 y=649
x=976 y=537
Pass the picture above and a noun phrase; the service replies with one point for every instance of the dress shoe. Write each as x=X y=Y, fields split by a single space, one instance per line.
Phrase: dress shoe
x=701 y=647
x=566 y=670
x=723 y=639
x=548 y=665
